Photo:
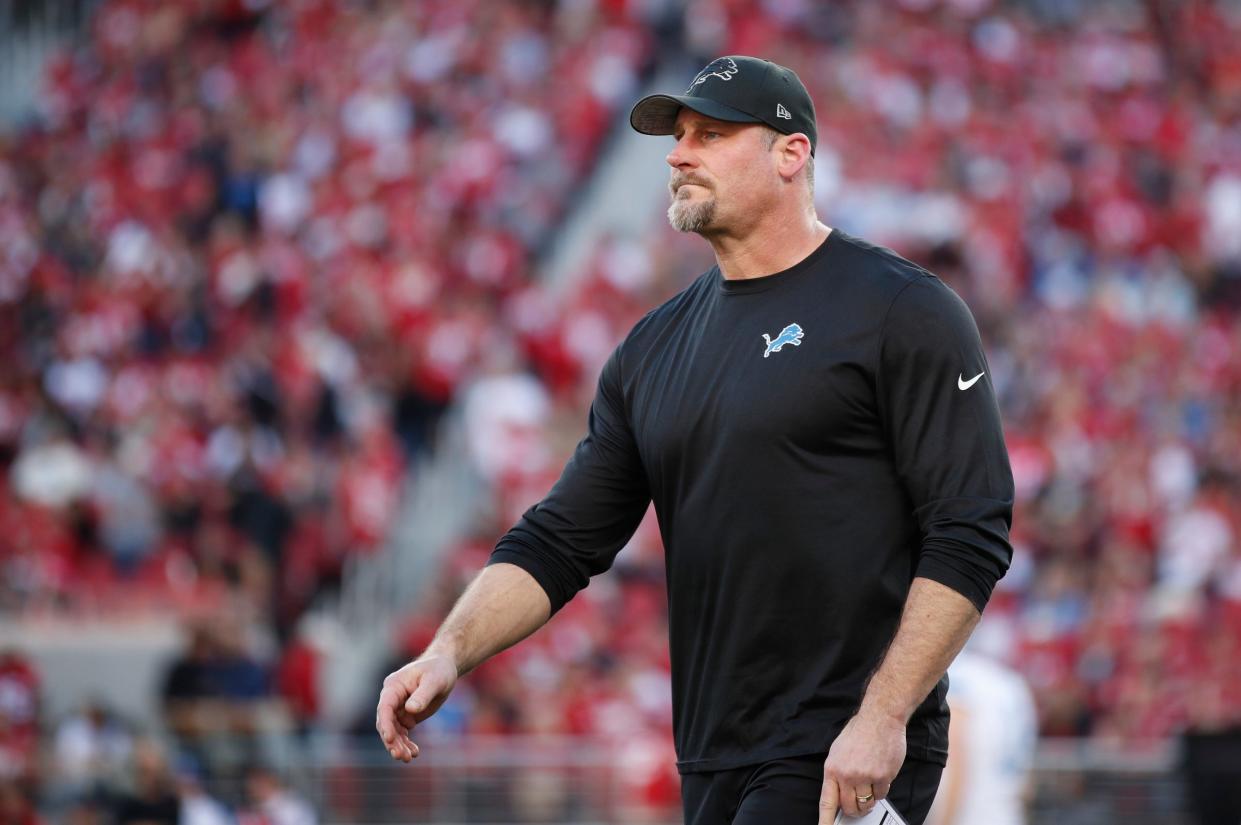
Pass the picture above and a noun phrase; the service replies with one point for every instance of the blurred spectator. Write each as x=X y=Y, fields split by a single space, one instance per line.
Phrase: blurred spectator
x=87 y=812
x=19 y=716
x=218 y=697
x=298 y=672
x=272 y=802
x=197 y=807
x=17 y=806
x=151 y=798
x=189 y=680
x=92 y=749
x=505 y=414
x=994 y=729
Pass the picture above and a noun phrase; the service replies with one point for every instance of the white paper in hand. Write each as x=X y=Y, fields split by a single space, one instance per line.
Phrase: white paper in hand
x=881 y=814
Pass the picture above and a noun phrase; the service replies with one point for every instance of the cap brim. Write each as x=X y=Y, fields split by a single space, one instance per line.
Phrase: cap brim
x=657 y=114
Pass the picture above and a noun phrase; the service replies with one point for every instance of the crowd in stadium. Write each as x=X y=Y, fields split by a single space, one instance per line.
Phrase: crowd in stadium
x=250 y=252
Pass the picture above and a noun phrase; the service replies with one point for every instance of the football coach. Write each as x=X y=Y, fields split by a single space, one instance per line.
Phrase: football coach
x=815 y=421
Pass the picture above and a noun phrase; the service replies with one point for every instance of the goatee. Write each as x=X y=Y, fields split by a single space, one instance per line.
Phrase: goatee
x=691 y=216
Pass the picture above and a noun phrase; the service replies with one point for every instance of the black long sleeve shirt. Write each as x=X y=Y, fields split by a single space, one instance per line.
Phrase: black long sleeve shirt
x=812 y=440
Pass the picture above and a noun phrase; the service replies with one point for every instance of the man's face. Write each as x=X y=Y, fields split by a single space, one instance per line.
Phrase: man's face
x=721 y=173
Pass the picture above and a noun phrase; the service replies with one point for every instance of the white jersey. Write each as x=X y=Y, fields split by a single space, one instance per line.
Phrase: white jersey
x=1000 y=731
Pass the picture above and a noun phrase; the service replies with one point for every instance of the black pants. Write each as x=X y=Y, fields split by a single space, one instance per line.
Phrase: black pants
x=786 y=792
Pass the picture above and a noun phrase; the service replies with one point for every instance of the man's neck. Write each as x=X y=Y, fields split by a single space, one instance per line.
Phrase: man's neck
x=768 y=249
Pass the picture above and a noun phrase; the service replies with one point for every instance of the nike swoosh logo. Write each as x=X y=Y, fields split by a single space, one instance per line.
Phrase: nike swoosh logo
x=962 y=384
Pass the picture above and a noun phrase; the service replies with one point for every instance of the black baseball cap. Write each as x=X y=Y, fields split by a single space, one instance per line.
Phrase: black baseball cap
x=739 y=89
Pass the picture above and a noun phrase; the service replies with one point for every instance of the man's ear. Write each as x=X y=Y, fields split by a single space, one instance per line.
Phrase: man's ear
x=793 y=153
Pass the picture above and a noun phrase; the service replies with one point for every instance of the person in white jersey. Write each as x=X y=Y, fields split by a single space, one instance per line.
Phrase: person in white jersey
x=991 y=743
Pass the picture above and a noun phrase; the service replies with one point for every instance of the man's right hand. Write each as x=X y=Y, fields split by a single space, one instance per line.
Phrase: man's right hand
x=409 y=696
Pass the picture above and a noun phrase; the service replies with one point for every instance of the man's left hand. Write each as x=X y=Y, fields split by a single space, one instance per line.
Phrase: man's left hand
x=862 y=762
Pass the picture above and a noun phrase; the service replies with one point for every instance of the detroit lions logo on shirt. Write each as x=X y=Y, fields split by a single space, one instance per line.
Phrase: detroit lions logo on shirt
x=725 y=68
x=791 y=334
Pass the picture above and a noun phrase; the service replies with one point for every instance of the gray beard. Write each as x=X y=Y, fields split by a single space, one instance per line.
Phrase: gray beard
x=691 y=216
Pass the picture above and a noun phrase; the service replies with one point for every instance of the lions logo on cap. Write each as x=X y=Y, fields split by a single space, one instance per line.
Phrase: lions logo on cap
x=725 y=68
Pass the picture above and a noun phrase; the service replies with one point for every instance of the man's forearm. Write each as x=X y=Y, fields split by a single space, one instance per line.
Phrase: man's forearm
x=934 y=626
x=502 y=606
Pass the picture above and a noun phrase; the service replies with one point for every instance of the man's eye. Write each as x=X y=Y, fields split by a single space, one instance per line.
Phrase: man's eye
x=710 y=134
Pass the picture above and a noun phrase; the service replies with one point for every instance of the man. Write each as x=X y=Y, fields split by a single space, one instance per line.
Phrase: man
x=814 y=421
x=992 y=739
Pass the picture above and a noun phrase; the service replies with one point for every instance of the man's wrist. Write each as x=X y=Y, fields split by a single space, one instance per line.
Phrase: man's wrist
x=883 y=710
x=443 y=649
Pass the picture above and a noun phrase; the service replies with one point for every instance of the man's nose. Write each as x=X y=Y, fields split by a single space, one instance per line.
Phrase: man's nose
x=680 y=157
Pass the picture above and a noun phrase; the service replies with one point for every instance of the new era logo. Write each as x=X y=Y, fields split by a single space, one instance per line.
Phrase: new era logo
x=783 y=112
